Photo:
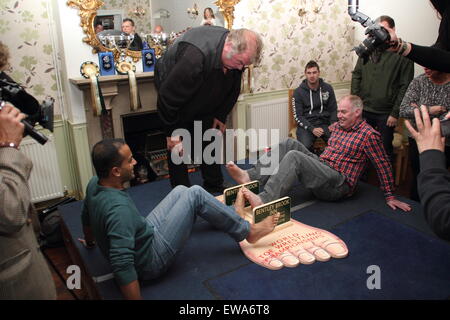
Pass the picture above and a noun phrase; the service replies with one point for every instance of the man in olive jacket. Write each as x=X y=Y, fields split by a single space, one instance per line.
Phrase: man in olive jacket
x=381 y=86
x=24 y=273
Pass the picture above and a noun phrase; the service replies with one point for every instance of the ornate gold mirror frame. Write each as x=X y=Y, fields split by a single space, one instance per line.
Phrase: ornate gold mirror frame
x=227 y=8
x=88 y=12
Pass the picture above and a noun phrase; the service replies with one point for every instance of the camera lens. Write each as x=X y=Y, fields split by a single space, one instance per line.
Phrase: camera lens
x=445 y=128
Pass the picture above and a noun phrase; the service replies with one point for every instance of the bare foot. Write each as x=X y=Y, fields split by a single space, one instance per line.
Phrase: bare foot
x=252 y=198
x=263 y=228
x=239 y=204
x=238 y=175
x=220 y=198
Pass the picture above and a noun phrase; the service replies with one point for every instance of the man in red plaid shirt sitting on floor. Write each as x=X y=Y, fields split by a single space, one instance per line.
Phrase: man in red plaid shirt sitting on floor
x=334 y=174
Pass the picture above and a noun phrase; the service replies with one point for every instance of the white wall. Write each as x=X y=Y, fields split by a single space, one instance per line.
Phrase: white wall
x=415 y=20
x=179 y=18
x=73 y=53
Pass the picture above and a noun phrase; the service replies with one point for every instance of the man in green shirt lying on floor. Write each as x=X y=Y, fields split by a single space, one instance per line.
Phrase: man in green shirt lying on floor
x=143 y=248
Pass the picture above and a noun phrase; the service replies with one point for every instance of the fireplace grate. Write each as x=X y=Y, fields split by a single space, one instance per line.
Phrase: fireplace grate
x=158 y=162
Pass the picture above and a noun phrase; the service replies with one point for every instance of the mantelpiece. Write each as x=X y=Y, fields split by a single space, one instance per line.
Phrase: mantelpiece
x=115 y=90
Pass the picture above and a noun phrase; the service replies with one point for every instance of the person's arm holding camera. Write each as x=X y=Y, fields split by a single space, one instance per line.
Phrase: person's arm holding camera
x=15 y=170
x=429 y=57
x=434 y=179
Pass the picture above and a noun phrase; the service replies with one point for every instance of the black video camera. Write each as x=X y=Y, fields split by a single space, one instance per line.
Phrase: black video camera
x=377 y=39
x=376 y=42
x=26 y=103
x=445 y=127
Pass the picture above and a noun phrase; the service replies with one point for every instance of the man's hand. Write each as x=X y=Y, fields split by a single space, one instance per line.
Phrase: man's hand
x=217 y=124
x=318 y=132
x=436 y=110
x=394 y=42
x=394 y=204
x=391 y=122
x=131 y=291
x=428 y=135
x=394 y=39
x=174 y=144
x=11 y=127
x=87 y=244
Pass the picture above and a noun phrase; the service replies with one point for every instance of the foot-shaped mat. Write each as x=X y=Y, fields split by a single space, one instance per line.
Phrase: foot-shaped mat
x=293 y=243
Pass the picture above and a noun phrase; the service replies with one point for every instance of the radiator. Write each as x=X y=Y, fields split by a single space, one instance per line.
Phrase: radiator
x=45 y=180
x=269 y=115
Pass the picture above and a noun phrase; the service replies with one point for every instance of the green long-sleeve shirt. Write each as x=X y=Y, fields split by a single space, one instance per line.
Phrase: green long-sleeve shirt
x=382 y=85
x=122 y=234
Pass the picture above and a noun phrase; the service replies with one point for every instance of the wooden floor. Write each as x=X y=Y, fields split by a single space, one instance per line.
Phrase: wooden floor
x=59 y=259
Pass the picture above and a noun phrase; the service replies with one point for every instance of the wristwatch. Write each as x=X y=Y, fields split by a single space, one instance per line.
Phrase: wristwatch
x=9 y=145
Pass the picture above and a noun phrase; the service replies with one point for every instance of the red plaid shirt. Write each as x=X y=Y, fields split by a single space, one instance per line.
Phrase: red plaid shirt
x=349 y=150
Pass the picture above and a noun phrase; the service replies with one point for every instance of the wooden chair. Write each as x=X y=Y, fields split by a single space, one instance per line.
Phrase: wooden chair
x=319 y=145
x=400 y=144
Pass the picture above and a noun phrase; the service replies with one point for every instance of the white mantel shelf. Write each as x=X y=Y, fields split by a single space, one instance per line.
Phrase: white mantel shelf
x=118 y=79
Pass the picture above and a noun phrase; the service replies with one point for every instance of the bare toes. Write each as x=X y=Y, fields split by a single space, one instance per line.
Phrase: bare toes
x=288 y=259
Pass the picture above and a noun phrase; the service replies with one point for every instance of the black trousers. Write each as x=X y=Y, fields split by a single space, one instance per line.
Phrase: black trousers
x=307 y=138
x=211 y=173
x=378 y=122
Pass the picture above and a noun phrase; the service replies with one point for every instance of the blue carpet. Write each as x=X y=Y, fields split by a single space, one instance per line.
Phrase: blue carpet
x=146 y=197
x=412 y=265
x=212 y=266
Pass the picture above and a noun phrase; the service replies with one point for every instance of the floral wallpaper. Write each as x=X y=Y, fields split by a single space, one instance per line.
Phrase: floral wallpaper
x=25 y=29
x=291 y=40
x=142 y=23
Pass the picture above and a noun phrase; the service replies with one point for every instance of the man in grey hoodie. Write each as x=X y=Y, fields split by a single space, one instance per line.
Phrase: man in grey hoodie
x=315 y=107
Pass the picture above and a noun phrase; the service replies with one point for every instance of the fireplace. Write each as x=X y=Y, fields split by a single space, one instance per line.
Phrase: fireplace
x=141 y=128
x=143 y=132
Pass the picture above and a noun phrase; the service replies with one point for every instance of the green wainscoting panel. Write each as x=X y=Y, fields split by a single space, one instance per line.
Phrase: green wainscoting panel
x=78 y=140
x=65 y=159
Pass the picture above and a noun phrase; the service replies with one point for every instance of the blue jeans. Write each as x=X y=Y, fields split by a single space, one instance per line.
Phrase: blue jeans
x=174 y=218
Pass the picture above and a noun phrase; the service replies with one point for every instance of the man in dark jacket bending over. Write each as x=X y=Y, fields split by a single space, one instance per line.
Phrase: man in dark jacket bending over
x=199 y=79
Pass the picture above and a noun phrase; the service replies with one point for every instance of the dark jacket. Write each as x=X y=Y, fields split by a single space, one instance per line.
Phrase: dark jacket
x=137 y=44
x=433 y=184
x=382 y=85
x=190 y=80
x=323 y=108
